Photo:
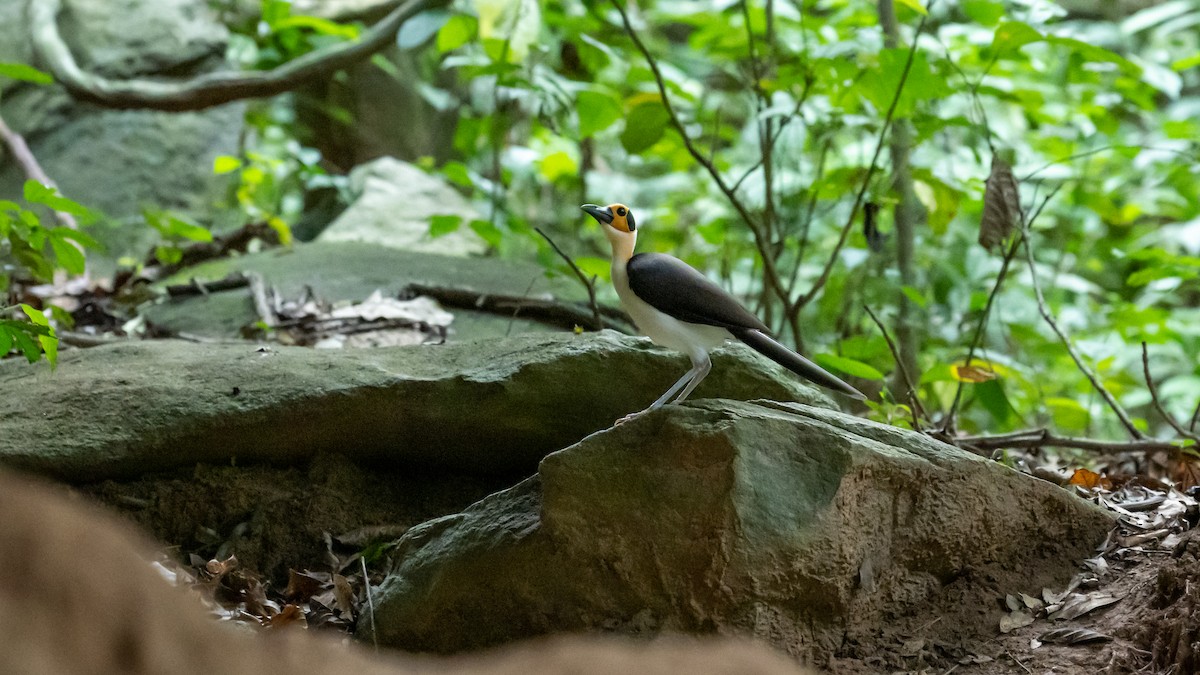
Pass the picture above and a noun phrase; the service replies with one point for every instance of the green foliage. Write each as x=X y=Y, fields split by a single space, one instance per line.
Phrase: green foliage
x=175 y=231
x=1104 y=113
x=32 y=250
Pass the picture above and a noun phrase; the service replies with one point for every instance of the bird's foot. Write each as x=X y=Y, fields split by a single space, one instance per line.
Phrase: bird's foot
x=629 y=417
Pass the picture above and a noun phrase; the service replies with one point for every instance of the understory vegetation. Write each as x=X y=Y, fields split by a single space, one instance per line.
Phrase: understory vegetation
x=986 y=212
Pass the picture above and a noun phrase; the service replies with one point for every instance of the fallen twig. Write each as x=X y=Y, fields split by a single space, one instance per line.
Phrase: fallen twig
x=548 y=309
x=1040 y=438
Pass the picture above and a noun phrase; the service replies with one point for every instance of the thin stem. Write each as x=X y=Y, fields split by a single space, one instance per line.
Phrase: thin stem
x=862 y=191
x=1062 y=336
x=589 y=284
x=1157 y=403
x=916 y=407
x=770 y=271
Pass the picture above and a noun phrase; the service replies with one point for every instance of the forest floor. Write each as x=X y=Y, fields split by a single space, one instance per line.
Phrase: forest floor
x=1131 y=609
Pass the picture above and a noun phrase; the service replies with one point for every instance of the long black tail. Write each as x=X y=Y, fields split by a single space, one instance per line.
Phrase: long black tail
x=764 y=344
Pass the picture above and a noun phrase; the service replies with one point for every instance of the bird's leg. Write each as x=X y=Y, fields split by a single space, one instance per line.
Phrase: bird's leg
x=689 y=376
x=700 y=368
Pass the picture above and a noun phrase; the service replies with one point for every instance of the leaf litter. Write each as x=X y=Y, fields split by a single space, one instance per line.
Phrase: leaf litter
x=331 y=599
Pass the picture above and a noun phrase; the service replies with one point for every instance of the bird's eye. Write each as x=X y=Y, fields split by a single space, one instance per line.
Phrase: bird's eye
x=621 y=211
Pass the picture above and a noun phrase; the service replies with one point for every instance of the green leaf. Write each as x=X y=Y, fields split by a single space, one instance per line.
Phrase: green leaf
x=20 y=71
x=223 y=164
x=458 y=173
x=1069 y=415
x=84 y=240
x=417 y=30
x=594 y=266
x=69 y=257
x=6 y=338
x=317 y=25
x=991 y=395
x=45 y=337
x=915 y=6
x=28 y=346
x=1012 y=35
x=915 y=296
x=441 y=225
x=456 y=32
x=644 y=125
x=1187 y=62
x=168 y=254
x=179 y=227
x=597 y=112
x=557 y=165
x=488 y=232
x=848 y=366
x=36 y=193
x=37 y=316
x=983 y=12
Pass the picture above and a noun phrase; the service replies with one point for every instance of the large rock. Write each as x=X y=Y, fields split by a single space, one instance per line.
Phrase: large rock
x=393 y=204
x=337 y=271
x=122 y=161
x=80 y=597
x=494 y=406
x=799 y=525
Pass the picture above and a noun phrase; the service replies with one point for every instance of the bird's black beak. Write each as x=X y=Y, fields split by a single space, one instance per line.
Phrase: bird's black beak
x=602 y=214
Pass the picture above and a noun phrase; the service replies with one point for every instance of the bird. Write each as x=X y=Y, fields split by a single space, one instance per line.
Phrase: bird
x=680 y=308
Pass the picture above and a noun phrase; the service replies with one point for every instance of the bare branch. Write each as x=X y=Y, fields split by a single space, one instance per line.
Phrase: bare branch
x=24 y=156
x=210 y=89
x=915 y=402
x=862 y=191
x=589 y=284
x=769 y=269
x=1083 y=367
x=1158 y=404
x=948 y=422
x=1040 y=438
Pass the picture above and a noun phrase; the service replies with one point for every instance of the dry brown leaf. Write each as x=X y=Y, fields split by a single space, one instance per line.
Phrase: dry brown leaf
x=290 y=614
x=302 y=585
x=1091 y=480
x=1001 y=205
x=344 y=595
x=1185 y=472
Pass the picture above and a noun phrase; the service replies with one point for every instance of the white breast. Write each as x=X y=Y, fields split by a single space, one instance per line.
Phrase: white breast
x=693 y=339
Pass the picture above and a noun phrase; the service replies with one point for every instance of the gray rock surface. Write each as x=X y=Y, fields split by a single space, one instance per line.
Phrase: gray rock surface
x=352 y=271
x=393 y=204
x=121 y=161
x=799 y=525
x=493 y=406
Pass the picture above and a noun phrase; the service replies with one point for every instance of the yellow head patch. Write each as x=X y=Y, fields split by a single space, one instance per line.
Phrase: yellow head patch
x=622 y=218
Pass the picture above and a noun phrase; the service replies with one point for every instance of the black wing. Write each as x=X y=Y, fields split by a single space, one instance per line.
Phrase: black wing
x=671 y=286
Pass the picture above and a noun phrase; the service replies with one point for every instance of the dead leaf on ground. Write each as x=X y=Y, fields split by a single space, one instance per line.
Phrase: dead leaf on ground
x=1014 y=620
x=1073 y=636
x=302 y=585
x=289 y=615
x=1090 y=480
x=1079 y=604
